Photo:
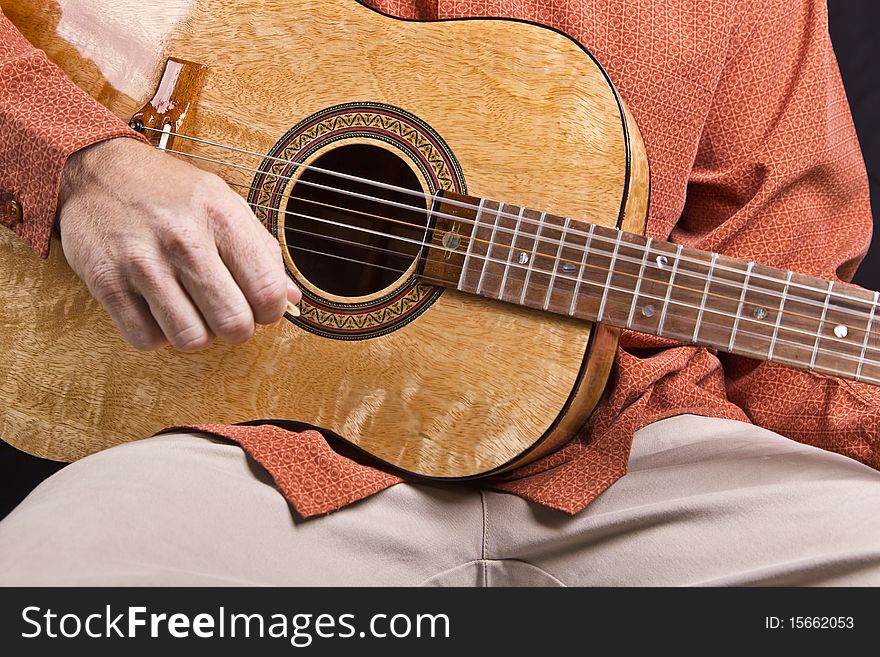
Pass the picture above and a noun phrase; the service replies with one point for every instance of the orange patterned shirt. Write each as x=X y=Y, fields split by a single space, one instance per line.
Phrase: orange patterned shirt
x=753 y=154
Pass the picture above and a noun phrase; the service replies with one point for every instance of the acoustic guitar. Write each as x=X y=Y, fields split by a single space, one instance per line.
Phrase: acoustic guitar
x=461 y=202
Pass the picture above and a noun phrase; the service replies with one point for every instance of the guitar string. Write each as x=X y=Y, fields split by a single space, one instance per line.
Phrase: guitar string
x=772 y=294
x=646 y=296
x=496 y=276
x=780 y=341
x=487 y=258
x=499 y=213
x=700 y=277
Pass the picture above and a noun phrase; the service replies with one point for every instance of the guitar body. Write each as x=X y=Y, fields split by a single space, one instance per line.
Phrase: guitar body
x=435 y=382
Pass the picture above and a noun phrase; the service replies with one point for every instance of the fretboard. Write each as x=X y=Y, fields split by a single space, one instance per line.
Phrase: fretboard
x=599 y=274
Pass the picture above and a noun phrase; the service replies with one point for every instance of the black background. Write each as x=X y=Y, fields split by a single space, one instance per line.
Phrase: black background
x=855 y=33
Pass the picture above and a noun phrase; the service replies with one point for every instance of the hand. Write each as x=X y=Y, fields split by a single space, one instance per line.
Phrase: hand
x=171 y=252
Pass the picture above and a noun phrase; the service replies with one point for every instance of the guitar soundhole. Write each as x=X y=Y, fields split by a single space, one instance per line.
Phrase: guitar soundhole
x=350 y=237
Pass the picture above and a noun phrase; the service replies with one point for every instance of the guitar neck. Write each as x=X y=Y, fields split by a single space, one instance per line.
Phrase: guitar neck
x=599 y=274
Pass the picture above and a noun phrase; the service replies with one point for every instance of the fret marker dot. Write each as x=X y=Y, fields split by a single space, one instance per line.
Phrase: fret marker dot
x=568 y=268
x=522 y=258
x=759 y=313
x=840 y=331
x=648 y=310
x=451 y=241
x=662 y=261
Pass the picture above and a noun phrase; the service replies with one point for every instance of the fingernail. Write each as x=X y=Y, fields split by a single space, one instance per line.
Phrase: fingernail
x=293 y=297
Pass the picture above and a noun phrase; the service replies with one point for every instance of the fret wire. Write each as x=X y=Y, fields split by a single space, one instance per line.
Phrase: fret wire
x=779 y=317
x=821 y=326
x=794 y=362
x=467 y=255
x=788 y=287
x=556 y=265
x=580 y=279
x=703 y=301
x=840 y=295
x=632 y=307
x=669 y=290
x=610 y=274
x=401 y=189
x=742 y=299
x=522 y=296
x=718 y=282
x=737 y=318
x=489 y=249
x=867 y=336
x=519 y=217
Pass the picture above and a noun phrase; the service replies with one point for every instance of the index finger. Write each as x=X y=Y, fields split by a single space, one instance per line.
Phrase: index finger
x=254 y=262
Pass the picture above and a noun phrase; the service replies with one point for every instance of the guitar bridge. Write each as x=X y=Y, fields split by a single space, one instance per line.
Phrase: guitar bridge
x=164 y=117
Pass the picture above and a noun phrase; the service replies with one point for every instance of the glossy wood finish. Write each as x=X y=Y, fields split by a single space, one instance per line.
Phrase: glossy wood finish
x=466 y=388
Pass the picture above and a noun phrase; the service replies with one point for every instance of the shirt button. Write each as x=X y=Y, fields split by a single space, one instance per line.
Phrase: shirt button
x=11 y=213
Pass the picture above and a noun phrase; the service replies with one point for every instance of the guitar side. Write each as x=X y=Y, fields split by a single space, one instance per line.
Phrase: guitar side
x=467 y=387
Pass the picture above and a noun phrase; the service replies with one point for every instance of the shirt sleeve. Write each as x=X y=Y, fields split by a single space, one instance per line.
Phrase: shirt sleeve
x=44 y=118
x=779 y=179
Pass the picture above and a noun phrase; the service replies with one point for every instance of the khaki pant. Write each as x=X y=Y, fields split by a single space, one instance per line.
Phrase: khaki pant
x=706 y=502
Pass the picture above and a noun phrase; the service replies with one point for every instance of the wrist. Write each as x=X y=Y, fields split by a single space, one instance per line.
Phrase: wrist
x=84 y=169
